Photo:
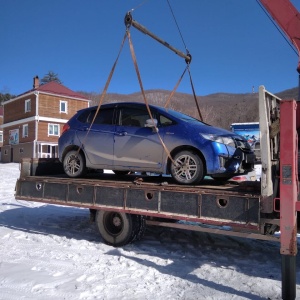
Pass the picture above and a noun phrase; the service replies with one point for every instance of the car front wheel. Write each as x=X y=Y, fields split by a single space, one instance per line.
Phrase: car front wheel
x=74 y=164
x=188 y=168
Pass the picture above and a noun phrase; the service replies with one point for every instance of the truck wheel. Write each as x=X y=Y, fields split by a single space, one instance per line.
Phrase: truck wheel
x=74 y=164
x=118 y=228
x=188 y=168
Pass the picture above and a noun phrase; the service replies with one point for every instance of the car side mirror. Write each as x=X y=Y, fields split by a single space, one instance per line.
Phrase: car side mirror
x=152 y=123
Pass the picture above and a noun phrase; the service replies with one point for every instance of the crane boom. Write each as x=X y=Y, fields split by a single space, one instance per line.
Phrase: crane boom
x=288 y=18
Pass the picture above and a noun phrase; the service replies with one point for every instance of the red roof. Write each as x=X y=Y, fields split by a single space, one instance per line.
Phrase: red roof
x=59 y=89
x=53 y=87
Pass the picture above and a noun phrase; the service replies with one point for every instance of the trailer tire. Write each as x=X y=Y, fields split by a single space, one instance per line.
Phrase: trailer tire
x=140 y=227
x=118 y=228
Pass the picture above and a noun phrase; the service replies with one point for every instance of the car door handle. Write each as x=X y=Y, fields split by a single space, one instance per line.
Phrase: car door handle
x=121 y=133
x=89 y=128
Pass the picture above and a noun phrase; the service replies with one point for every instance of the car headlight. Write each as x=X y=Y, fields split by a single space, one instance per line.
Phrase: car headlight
x=219 y=139
x=229 y=141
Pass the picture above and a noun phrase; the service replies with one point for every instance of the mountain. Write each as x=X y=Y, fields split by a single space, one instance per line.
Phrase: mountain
x=220 y=109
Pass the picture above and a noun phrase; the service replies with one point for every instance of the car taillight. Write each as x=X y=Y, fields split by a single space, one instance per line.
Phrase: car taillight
x=65 y=128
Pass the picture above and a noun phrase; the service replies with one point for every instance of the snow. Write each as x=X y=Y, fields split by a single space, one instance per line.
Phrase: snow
x=54 y=252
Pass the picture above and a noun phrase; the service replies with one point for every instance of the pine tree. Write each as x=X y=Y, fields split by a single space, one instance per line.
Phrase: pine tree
x=50 y=76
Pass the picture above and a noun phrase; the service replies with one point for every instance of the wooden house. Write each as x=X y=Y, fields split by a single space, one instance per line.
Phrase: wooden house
x=34 y=120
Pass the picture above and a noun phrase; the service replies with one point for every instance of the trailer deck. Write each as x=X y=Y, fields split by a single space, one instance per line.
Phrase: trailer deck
x=234 y=205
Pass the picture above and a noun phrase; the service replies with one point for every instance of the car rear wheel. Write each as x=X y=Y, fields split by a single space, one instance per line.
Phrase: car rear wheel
x=188 y=168
x=74 y=164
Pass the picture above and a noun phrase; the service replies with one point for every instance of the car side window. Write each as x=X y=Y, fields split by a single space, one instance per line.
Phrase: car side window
x=83 y=117
x=164 y=121
x=104 y=116
x=136 y=117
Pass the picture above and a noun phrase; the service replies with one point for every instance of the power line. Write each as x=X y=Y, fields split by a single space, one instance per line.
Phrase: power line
x=177 y=26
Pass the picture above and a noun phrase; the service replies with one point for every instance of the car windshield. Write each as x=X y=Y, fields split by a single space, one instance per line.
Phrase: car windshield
x=182 y=116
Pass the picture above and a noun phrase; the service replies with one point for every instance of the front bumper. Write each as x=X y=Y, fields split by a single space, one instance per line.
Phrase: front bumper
x=239 y=163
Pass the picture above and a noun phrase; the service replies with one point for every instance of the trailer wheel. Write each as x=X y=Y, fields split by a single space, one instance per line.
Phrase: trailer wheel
x=139 y=228
x=118 y=228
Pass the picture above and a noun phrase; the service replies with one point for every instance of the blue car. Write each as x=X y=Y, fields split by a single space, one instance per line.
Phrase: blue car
x=124 y=138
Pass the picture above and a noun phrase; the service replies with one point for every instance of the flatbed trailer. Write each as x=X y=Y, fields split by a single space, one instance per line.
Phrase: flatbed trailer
x=234 y=206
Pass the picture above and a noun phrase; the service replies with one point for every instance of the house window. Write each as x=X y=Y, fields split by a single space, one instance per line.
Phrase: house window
x=63 y=107
x=27 y=105
x=25 y=131
x=1 y=137
x=53 y=129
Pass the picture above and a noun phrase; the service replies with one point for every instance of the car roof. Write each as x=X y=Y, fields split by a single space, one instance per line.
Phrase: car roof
x=160 y=109
x=120 y=104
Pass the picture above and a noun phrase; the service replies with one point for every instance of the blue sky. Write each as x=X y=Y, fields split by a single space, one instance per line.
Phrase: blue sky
x=234 y=46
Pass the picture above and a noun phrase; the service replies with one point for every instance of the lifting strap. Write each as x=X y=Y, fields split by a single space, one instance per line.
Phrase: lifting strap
x=175 y=88
x=194 y=93
x=108 y=81
x=104 y=92
x=128 y=20
x=144 y=95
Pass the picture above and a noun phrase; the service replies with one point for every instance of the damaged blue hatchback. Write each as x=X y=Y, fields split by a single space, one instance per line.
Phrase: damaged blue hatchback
x=123 y=137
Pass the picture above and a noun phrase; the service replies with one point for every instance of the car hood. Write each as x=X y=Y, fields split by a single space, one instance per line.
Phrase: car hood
x=207 y=129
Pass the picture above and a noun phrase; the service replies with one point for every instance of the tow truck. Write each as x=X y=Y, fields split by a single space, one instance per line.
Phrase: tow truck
x=123 y=206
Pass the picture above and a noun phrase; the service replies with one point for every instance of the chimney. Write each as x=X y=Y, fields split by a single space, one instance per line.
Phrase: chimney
x=36 y=82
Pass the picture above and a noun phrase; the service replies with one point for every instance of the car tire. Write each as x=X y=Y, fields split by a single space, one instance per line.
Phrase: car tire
x=74 y=164
x=118 y=228
x=188 y=168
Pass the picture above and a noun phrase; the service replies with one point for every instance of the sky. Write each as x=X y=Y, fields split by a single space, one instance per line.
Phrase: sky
x=53 y=252
x=235 y=47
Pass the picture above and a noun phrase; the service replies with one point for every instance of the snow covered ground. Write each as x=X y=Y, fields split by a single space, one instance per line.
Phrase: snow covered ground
x=53 y=252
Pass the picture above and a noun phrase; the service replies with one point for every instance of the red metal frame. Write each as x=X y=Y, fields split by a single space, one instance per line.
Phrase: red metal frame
x=288 y=196
x=288 y=177
x=287 y=17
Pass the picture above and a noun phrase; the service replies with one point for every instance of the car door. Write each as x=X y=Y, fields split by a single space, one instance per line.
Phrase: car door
x=136 y=147
x=98 y=139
